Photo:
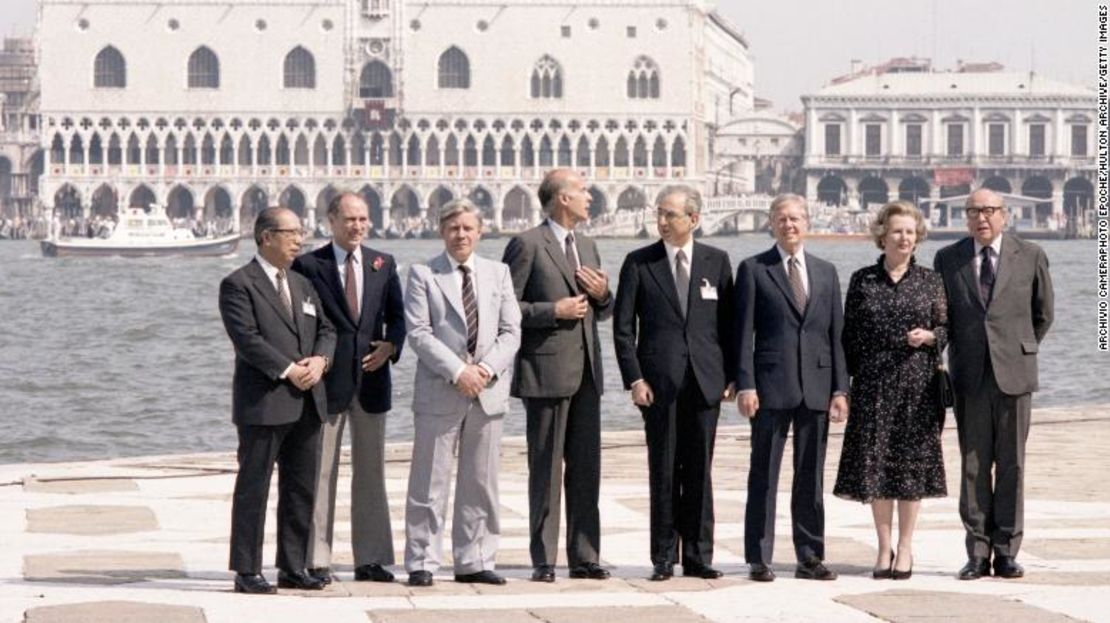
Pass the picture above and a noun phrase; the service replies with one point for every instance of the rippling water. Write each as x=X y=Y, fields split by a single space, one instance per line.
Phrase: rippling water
x=106 y=357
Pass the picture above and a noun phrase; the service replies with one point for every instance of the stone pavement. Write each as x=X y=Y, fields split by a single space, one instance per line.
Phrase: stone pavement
x=145 y=539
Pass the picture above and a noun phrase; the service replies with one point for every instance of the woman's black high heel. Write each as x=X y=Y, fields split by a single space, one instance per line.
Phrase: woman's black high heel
x=901 y=575
x=884 y=574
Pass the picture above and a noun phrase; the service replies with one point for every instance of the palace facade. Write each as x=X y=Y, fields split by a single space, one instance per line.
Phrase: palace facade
x=216 y=109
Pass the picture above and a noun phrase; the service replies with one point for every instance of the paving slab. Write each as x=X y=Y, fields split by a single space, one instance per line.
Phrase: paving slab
x=906 y=606
x=1092 y=548
x=452 y=616
x=114 y=612
x=79 y=486
x=91 y=520
x=102 y=567
x=620 y=614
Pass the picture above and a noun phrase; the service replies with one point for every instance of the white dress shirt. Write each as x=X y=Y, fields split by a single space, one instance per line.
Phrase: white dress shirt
x=272 y=273
x=456 y=274
x=800 y=256
x=996 y=249
x=561 y=235
x=672 y=252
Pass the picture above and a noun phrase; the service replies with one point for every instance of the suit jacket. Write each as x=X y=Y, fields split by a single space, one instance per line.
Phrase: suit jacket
x=653 y=340
x=553 y=353
x=437 y=333
x=382 y=317
x=266 y=341
x=1008 y=330
x=790 y=356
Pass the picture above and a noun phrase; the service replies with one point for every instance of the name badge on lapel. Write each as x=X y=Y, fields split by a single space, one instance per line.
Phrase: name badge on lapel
x=708 y=292
x=308 y=308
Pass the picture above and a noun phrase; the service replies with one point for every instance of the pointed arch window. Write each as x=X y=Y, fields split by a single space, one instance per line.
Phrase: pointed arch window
x=454 y=69
x=547 y=79
x=643 y=79
x=299 y=69
x=109 y=69
x=204 y=69
x=376 y=81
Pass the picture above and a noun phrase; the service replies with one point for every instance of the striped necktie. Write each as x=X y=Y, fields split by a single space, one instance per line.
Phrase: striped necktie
x=470 y=306
x=796 y=285
x=283 y=293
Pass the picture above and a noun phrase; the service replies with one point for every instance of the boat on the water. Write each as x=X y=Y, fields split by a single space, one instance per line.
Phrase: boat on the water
x=141 y=234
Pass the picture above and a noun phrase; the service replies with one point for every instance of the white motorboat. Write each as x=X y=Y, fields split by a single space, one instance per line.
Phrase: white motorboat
x=141 y=234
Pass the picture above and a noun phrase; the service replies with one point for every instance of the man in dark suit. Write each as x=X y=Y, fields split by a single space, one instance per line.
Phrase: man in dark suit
x=673 y=329
x=792 y=372
x=361 y=294
x=999 y=309
x=562 y=292
x=283 y=343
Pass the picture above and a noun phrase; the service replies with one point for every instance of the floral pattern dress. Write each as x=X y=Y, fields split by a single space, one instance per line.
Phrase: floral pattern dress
x=892 y=446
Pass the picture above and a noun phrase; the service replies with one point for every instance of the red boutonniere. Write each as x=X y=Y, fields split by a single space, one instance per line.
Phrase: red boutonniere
x=377 y=263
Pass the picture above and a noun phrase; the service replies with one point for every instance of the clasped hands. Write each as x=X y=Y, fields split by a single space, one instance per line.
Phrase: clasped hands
x=472 y=380
x=595 y=285
x=307 y=372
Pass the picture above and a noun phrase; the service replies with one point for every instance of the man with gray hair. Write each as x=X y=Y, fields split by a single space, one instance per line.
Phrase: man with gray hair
x=673 y=330
x=562 y=292
x=464 y=326
x=791 y=372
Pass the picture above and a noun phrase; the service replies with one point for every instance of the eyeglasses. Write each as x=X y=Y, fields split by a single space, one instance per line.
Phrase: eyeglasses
x=665 y=215
x=987 y=211
x=293 y=232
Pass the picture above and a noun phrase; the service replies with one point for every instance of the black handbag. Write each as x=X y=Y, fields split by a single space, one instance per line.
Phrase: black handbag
x=945 y=397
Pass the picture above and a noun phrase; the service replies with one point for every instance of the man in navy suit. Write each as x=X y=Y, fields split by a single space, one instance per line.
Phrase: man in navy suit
x=673 y=328
x=283 y=342
x=361 y=295
x=791 y=373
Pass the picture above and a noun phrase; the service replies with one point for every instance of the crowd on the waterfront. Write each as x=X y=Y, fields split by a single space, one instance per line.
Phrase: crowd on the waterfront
x=315 y=337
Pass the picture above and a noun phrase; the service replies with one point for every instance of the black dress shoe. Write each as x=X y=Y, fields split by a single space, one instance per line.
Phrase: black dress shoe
x=589 y=571
x=814 y=569
x=372 y=572
x=543 y=573
x=300 y=580
x=1008 y=568
x=322 y=573
x=662 y=571
x=253 y=584
x=759 y=572
x=701 y=571
x=420 y=578
x=974 y=569
x=481 y=577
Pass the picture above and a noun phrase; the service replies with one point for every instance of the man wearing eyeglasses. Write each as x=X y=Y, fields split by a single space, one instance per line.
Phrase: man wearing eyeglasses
x=999 y=309
x=283 y=343
x=672 y=326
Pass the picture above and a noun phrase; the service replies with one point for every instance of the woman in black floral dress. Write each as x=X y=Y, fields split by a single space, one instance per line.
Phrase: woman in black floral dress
x=895 y=319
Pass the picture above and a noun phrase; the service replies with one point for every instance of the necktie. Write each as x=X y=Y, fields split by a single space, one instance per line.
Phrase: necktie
x=986 y=276
x=572 y=259
x=796 y=286
x=470 y=306
x=682 y=280
x=350 y=288
x=283 y=293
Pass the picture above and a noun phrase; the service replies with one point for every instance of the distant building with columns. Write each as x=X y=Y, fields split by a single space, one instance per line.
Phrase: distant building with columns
x=20 y=154
x=904 y=130
x=216 y=109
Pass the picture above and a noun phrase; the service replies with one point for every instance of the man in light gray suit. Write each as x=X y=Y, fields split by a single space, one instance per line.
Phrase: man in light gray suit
x=563 y=293
x=999 y=309
x=464 y=326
